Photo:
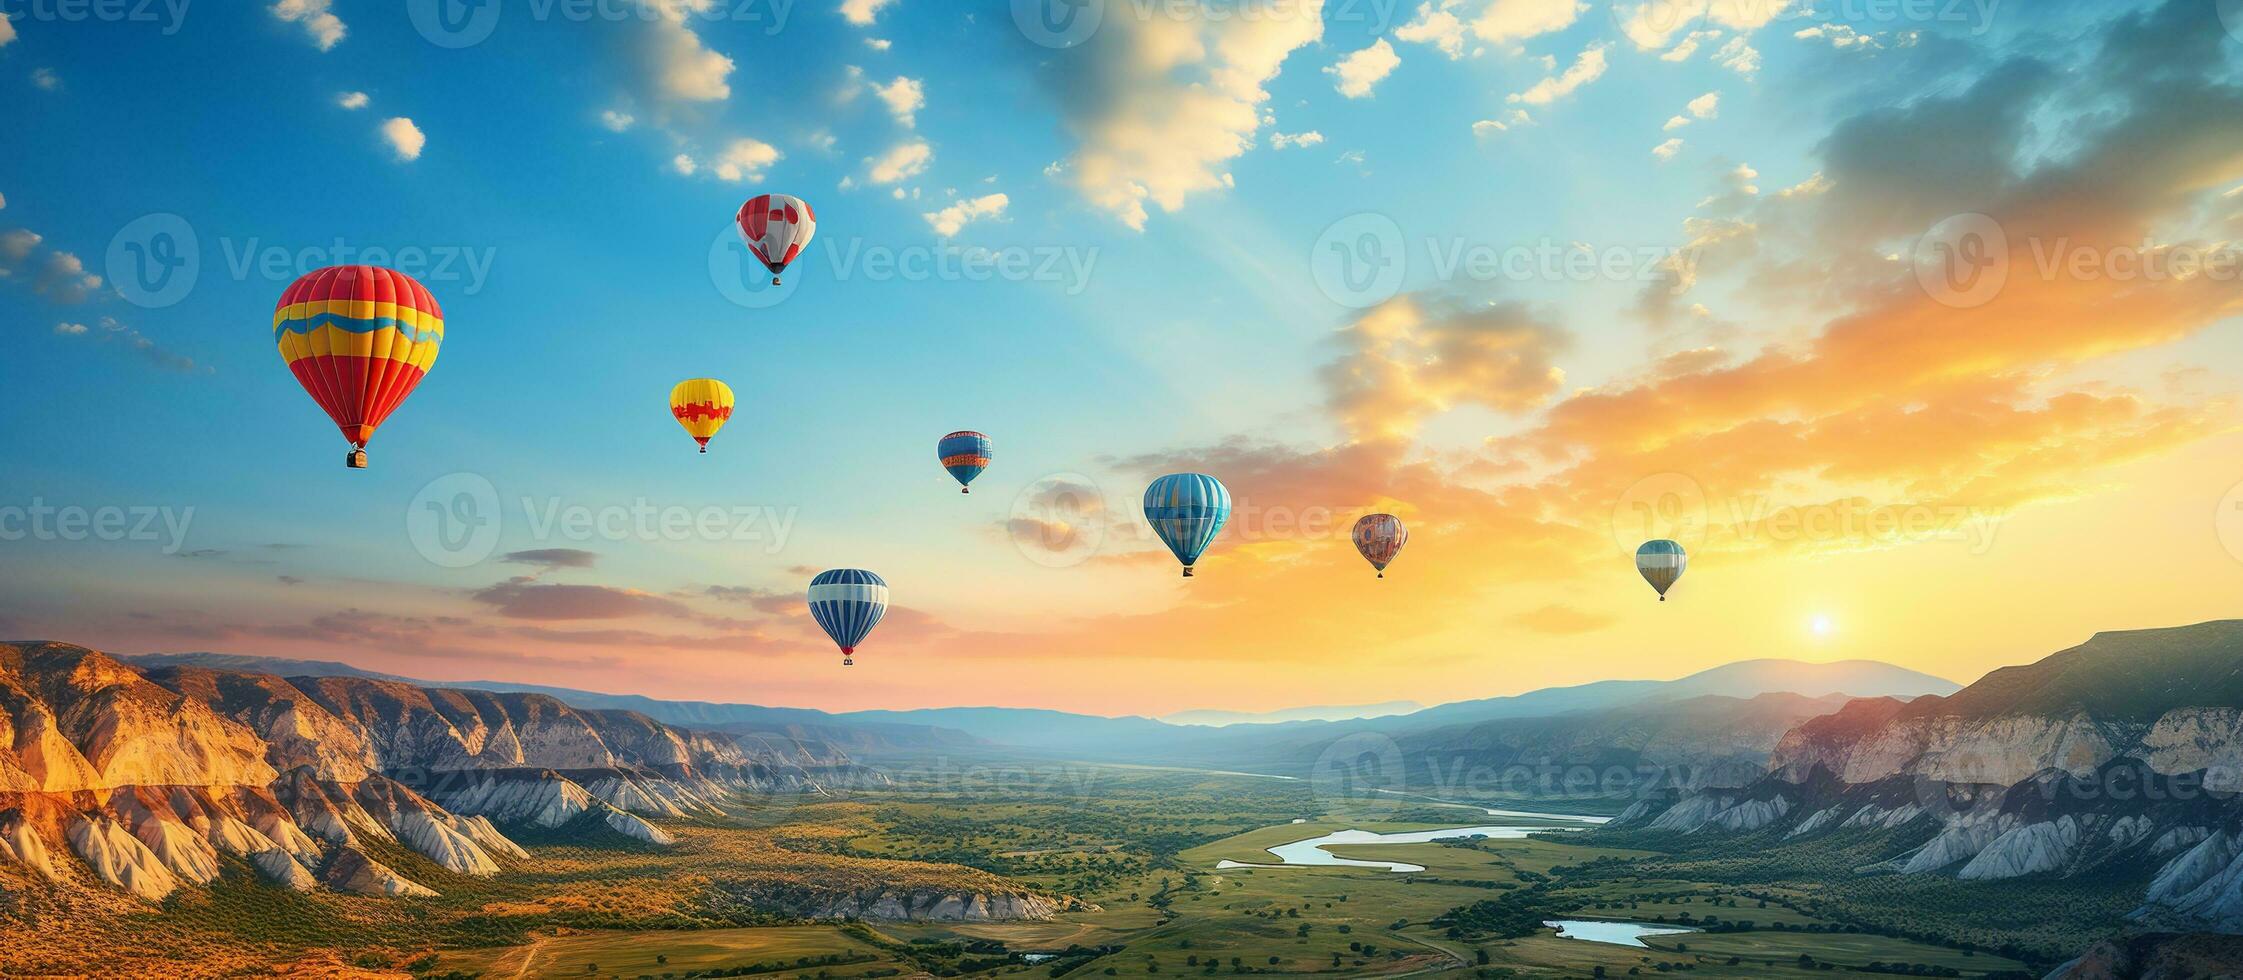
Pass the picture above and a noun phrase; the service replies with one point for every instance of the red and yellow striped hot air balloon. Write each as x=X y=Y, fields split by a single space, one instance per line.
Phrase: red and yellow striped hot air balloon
x=702 y=405
x=359 y=339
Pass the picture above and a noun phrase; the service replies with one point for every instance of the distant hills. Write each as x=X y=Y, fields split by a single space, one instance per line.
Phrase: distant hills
x=1220 y=740
x=1328 y=712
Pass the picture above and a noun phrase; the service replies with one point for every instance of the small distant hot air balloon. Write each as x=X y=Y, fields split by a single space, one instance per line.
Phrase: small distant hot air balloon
x=1380 y=537
x=1187 y=510
x=359 y=339
x=848 y=603
x=1661 y=563
x=777 y=227
x=965 y=454
x=702 y=405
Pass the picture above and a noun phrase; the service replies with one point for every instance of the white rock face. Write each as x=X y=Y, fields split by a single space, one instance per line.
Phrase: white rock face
x=637 y=829
x=186 y=853
x=2217 y=900
x=2200 y=864
x=2031 y=849
x=922 y=905
x=281 y=868
x=21 y=844
x=1961 y=841
x=2189 y=739
x=1816 y=823
x=117 y=857
x=1690 y=814
x=480 y=828
x=352 y=871
x=1749 y=816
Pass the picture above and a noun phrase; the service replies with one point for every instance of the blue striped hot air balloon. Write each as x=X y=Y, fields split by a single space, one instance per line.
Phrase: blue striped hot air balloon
x=1661 y=563
x=1187 y=510
x=965 y=454
x=848 y=603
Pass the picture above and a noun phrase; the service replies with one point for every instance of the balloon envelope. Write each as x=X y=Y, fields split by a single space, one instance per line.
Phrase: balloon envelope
x=1187 y=510
x=965 y=454
x=848 y=603
x=359 y=339
x=777 y=228
x=1380 y=537
x=702 y=406
x=1661 y=563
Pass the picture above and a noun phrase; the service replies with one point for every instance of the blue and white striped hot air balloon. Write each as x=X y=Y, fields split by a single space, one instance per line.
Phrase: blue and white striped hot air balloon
x=848 y=603
x=965 y=454
x=1187 y=510
x=1661 y=563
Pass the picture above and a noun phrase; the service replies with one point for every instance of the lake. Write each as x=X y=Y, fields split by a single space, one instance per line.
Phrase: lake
x=1612 y=933
x=1312 y=853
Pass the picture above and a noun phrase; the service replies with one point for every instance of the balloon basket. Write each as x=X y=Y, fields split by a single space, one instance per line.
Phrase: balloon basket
x=965 y=489
x=1187 y=571
x=775 y=281
x=355 y=459
x=848 y=661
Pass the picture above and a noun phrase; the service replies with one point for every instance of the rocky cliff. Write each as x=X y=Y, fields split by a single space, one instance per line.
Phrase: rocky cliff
x=2126 y=750
x=150 y=780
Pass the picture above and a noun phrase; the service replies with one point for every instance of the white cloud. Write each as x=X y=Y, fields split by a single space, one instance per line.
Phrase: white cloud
x=64 y=279
x=7 y=30
x=674 y=61
x=1840 y=36
x=904 y=97
x=949 y=221
x=744 y=159
x=1705 y=106
x=1359 y=72
x=1675 y=123
x=1161 y=105
x=1283 y=141
x=1517 y=20
x=353 y=101
x=878 y=43
x=1667 y=150
x=68 y=329
x=45 y=79
x=617 y=120
x=1652 y=23
x=16 y=246
x=684 y=164
x=325 y=28
x=1739 y=56
x=862 y=12
x=1509 y=120
x=902 y=162
x=404 y=138
x=1689 y=46
x=1437 y=26
x=1585 y=69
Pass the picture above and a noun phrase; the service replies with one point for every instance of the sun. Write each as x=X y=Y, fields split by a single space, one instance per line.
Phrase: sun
x=1822 y=625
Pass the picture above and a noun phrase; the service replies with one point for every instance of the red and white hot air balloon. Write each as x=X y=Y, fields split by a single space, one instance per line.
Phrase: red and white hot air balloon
x=777 y=227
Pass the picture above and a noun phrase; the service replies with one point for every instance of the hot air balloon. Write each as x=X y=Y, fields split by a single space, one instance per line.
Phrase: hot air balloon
x=777 y=227
x=965 y=455
x=1380 y=537
x=848 y=603
x=359 y=339
x=1661 y=563
x=702 y=405
x=1187 y=510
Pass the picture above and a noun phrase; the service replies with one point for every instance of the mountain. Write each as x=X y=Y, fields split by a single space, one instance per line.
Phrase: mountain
x=1338 y=712
x=148 y=777
x=1744 y=679
x=752 y=719
x=2125 y=751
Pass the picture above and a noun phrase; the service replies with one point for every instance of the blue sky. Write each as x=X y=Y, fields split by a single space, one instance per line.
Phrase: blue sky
x=574 y=263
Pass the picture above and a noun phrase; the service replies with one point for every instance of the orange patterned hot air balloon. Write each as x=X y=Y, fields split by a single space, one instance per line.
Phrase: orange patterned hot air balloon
x=702 y=405
x=359 y=339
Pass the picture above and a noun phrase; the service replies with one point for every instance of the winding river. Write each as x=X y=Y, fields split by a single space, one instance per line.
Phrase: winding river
x=1313 y=853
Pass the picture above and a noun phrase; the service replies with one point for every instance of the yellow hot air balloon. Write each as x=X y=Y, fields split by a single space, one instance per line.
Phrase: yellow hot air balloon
x=702 y=405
